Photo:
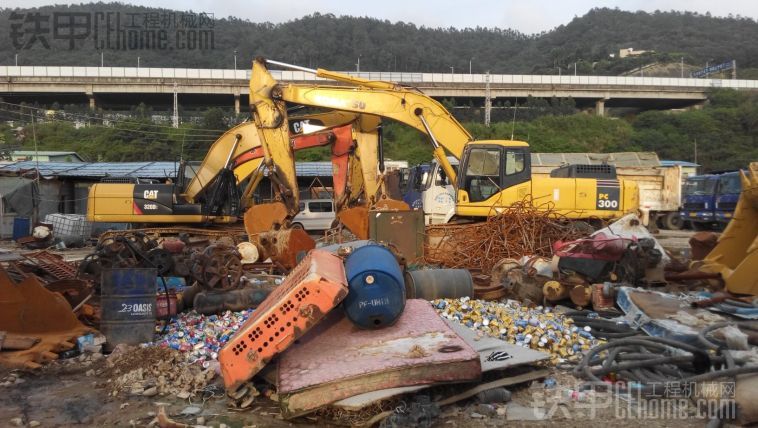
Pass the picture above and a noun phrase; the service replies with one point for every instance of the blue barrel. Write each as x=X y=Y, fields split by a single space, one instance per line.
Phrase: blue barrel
x=21 y=227
x=128 y=306
x=376 y=291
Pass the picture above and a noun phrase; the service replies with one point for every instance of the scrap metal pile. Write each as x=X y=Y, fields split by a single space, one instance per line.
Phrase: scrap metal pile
x=521 y=229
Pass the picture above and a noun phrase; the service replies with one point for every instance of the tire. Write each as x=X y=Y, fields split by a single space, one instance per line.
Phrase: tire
x=297 y=226
x=672 y=221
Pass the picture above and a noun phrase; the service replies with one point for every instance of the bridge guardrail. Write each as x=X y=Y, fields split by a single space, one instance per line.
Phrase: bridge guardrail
x=403 y=77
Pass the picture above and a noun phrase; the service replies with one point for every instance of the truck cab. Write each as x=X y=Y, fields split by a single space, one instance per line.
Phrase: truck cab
x=699 y=202
x=727 y=193
x=415 y=184
x=438 y=194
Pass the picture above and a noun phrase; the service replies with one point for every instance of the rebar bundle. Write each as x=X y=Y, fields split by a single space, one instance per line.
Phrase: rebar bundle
x=521 y=229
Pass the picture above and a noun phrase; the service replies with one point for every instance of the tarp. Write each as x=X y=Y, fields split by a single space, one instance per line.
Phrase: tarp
x=21 y=195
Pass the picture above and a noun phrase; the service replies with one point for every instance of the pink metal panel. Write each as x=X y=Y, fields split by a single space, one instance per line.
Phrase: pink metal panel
x=337 y=360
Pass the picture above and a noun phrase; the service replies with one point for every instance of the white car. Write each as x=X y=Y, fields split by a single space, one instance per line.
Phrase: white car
x=315 y=214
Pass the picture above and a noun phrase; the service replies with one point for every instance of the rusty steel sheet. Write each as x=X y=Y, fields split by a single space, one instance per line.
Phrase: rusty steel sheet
x=315 y=287
x=336 y=360
x=28 y=309
x=264 y=217
x=52 y=264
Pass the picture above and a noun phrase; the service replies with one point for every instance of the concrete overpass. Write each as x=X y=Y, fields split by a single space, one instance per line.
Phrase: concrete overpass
x=130 y=85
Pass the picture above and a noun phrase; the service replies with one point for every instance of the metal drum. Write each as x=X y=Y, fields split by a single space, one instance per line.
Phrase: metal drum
x=128 y=306
x=430 y=284
x=376 y=296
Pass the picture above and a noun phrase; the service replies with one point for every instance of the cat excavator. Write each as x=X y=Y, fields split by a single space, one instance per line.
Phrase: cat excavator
x=213 y=195
x=493 y=175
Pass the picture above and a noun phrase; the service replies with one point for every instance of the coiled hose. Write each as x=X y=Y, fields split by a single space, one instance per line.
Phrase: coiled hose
x=601 y=328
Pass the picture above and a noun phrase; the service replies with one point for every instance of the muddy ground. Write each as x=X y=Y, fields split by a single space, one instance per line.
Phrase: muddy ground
x=74 y=393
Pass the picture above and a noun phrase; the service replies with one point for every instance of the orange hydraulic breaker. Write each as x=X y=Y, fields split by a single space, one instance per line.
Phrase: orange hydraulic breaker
x=312 y=289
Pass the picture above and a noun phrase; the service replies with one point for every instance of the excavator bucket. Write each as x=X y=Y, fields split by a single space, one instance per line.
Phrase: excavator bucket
x=264 y=217
x=29 y=312
x=355 y=219
x=735 y=256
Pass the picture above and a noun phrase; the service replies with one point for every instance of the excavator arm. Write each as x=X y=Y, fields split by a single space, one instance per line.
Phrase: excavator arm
x=383 y=99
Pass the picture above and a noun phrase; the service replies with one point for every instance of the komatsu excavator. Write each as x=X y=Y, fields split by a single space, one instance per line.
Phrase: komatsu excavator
x=493 y=174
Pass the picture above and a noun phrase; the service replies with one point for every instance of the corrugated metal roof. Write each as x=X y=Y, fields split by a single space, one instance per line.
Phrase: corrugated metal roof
x=157 y=170
x=620 y=159
x=680 y=163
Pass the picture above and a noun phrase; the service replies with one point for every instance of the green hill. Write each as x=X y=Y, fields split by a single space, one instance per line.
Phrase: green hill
x=337 y=42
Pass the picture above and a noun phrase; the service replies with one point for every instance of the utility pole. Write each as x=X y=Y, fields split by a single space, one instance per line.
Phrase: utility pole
x=102 y=59
x=235 y=59
x=734 y=69
x=574 y=69
x=469 y=65
x=175 y=118
x=452 y=70
x=16 y=60
x=682 y=67
x=487 y=100
x=137 y=62
x=358 y=65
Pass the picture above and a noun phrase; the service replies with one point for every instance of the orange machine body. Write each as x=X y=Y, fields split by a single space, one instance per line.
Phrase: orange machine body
x=313 y=288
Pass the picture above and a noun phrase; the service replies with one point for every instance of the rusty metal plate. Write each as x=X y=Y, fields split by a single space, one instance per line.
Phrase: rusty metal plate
x=403 y=230
x=28 y=309
x=336 y=360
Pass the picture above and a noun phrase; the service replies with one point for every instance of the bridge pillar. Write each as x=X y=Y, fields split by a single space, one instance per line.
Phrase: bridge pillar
x=237 y=103
x=600 y=107
x=91 y=98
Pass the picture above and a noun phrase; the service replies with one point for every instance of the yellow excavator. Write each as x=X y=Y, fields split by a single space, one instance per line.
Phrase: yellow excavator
x=493 y=174
x=214 y=196
x=735 y=256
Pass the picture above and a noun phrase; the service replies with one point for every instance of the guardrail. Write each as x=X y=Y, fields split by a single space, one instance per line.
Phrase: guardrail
x=244 y=75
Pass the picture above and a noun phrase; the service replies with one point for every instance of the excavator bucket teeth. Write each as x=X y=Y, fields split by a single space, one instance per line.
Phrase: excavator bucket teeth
x=264 y=217
x=29 y=310
x=355 y=220
x=735 y=256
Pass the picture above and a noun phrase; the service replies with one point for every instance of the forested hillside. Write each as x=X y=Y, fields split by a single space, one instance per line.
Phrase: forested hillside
x=337 y=42
x=724 y=133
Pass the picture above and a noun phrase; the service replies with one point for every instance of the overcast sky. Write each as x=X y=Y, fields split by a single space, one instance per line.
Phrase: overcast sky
x=528 y=16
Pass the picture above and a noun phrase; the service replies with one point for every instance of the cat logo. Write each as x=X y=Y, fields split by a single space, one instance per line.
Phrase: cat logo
x=151 y=194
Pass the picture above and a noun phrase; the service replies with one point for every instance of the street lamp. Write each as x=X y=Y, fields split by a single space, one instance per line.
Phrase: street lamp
x=452 y=70
x=235 y=59
x=137 y=62
x=358 y=65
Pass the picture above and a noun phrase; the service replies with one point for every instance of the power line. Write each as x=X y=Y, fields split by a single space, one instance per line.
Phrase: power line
x=164 y=134
x=84 y=116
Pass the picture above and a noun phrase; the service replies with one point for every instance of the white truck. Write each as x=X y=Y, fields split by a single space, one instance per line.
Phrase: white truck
x=660 y=186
